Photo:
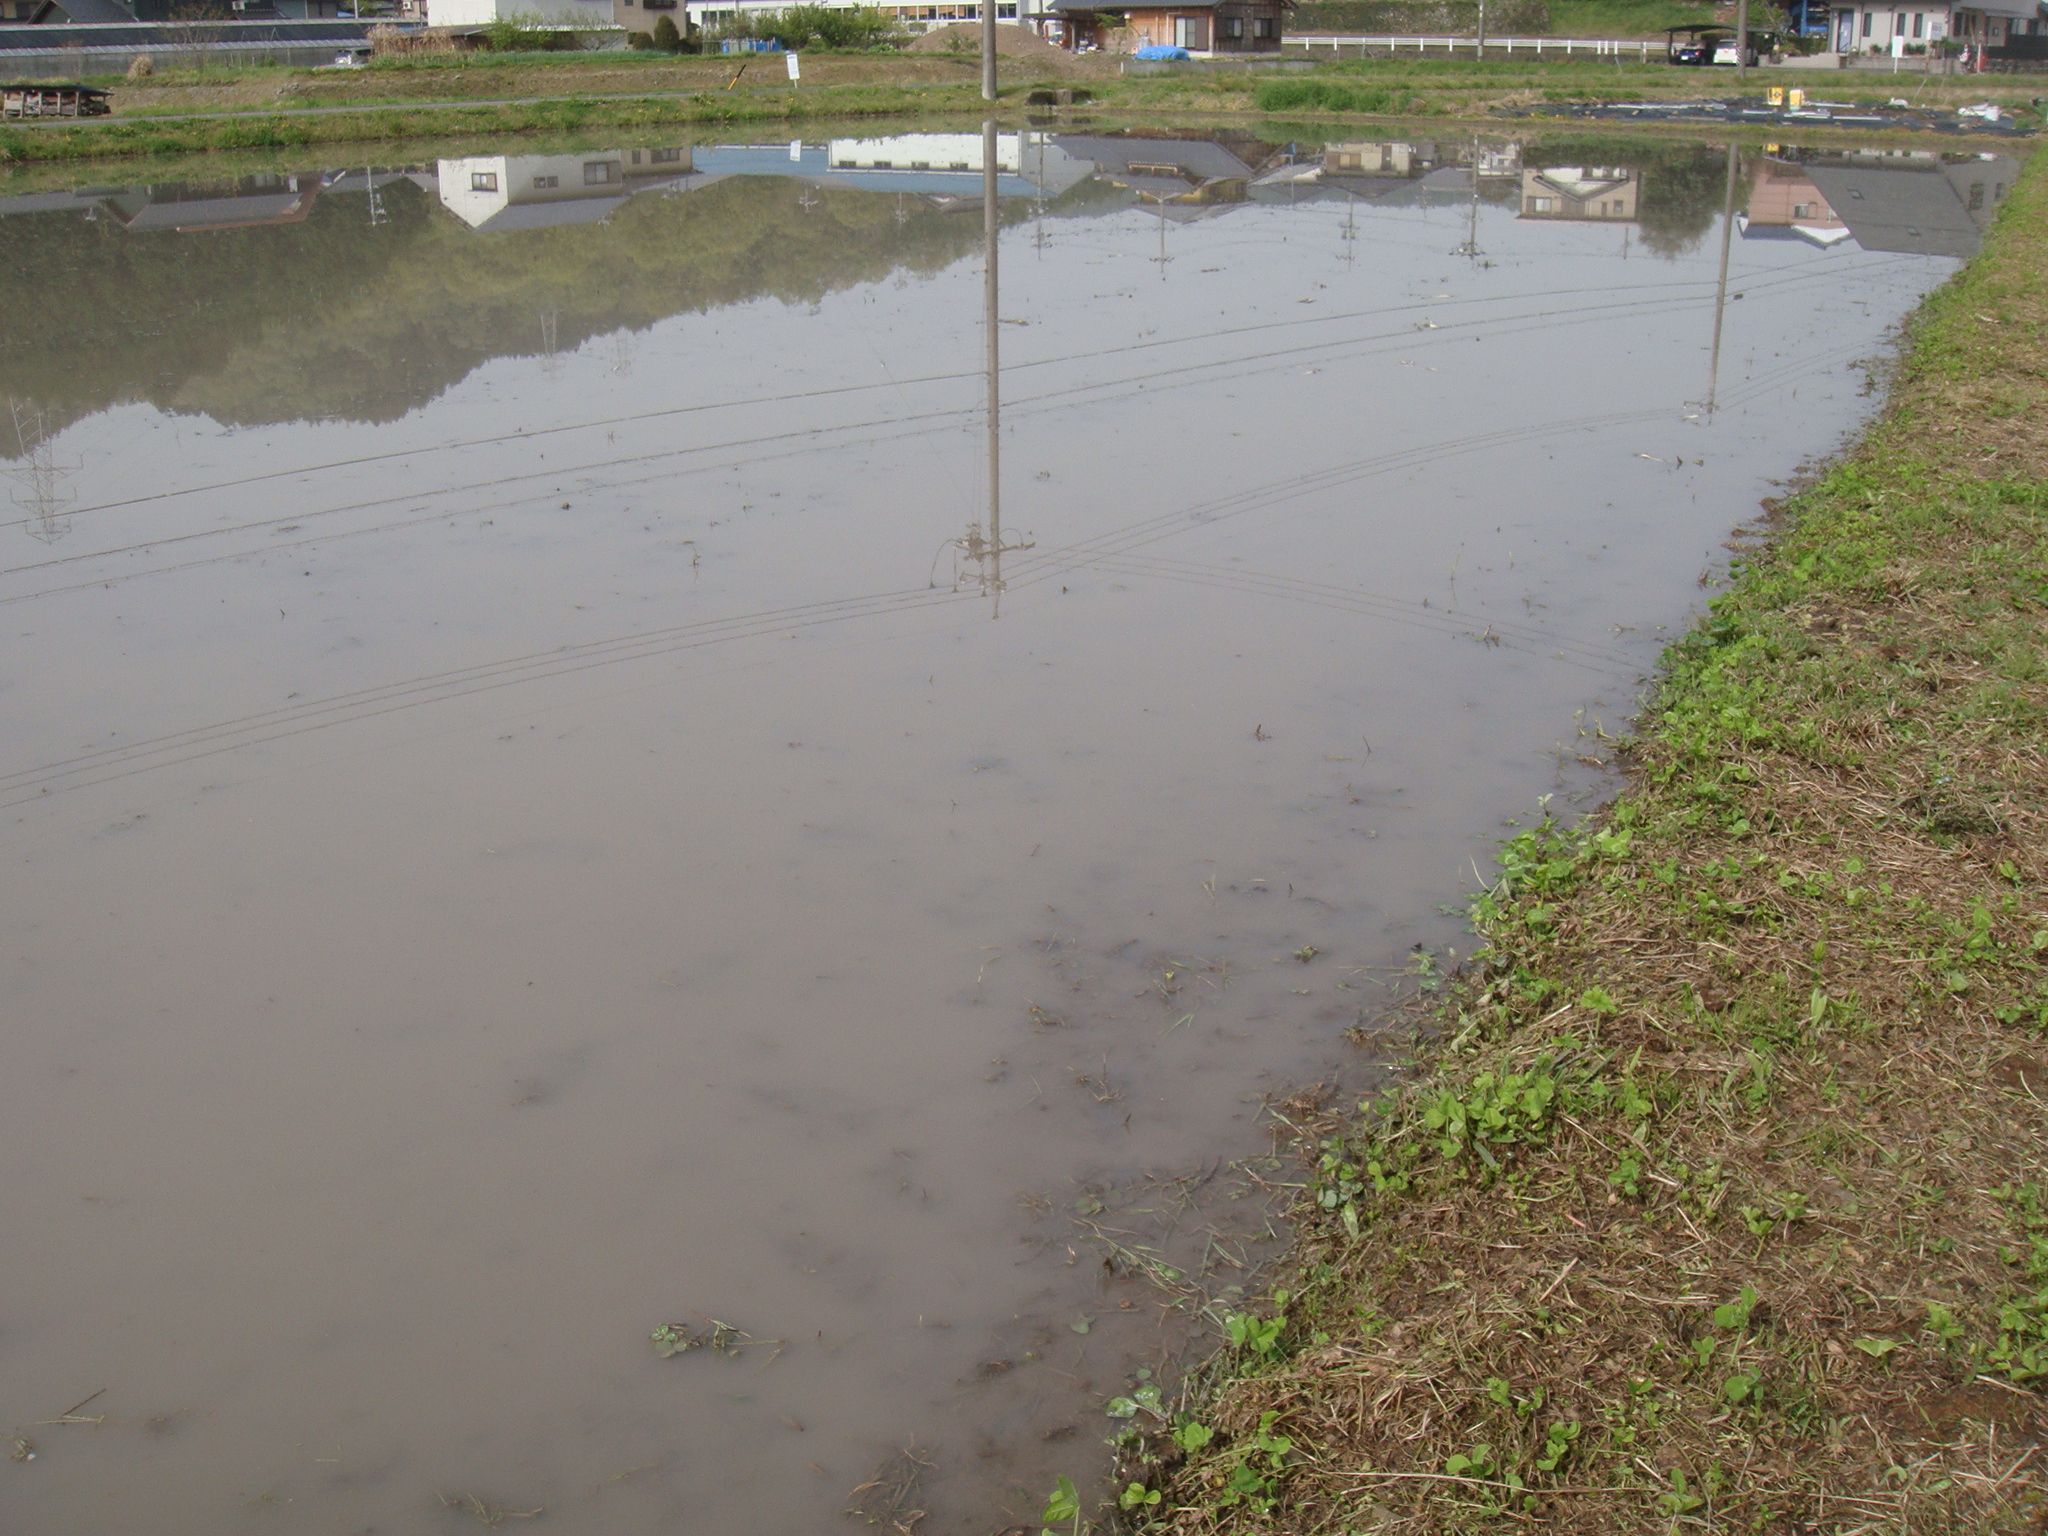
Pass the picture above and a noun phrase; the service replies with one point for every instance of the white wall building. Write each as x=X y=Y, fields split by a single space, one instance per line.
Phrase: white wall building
x=564 y=15
x=1863 y=26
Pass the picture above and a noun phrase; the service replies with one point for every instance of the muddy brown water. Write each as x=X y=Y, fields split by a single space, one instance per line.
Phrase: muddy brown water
x=533 y=814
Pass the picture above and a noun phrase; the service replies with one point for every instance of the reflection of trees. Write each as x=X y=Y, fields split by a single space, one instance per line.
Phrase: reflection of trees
x=335 y=318
x=1682 y=183
x=94 y=315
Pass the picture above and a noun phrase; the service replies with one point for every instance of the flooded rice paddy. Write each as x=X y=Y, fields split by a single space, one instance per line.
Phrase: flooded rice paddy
x=560 y=780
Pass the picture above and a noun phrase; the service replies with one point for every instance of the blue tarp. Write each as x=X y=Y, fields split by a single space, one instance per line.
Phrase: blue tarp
x=1162 y=51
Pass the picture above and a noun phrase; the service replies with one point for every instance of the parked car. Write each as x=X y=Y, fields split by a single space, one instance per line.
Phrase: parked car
x=1702 y=45
x=354 y=58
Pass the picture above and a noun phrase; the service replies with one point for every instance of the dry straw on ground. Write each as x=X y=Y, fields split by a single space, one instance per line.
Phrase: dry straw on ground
x=1721 y=1199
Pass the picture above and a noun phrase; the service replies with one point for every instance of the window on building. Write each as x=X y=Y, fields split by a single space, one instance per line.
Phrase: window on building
x=598 y=173
x=1868 y=17
x=1006 y=13
x=546 y=183
x=1262 y=26
x=483 y=181
x=665 y=156
x=1232 y=26
x=1919 y=23
x=1540 y=205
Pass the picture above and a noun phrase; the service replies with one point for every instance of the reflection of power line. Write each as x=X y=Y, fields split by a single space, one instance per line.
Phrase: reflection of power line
x=811 y=439
x=1116 y=549
x=39 y=475
x=1793 y=277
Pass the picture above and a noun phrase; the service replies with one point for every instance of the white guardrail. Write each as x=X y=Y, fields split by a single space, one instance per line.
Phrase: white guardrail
x=1594 y=47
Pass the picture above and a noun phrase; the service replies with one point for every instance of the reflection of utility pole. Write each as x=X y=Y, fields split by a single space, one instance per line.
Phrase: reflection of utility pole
x=548 y=360
x=988 y=553
x=39 y=476
x=992 y=321
x=377 y=213
x=1470 y=247
x=1350 y=230
x=1162 y=258
x=1721 y=284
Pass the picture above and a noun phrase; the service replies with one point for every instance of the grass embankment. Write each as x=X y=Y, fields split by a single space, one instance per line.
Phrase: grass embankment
x=1468 y=88
x=119 y=137
x=192 y=112
x=1719 y=1199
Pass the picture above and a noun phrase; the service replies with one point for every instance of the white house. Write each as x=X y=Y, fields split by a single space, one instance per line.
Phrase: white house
x=503 y=192
x=562 y=15
x=1861 y=26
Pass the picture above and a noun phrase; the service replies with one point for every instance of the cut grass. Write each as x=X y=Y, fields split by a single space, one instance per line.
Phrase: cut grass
x=1719 y=1196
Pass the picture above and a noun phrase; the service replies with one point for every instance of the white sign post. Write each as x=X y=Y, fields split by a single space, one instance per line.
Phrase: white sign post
x=795 y=70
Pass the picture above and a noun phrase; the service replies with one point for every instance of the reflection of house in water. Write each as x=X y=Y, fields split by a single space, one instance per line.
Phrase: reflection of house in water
x=1181 y=179
x=942 y=168
x=1491 y=161
x=1601 y=194
x=195 y=207
x=187 y=208
x=503 y=192
x=1395 y=173
x=1915 y=202
x=1784 y=204
x=1388 y=159
x=950 y=165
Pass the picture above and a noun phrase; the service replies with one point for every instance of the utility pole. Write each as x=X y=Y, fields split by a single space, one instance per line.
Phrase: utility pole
x=1479 y=49
x=988 y=51
x=1741 y=41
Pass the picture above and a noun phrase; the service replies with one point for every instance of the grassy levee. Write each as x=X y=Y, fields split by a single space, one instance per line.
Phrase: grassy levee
x=193 y=112
x=1717 y=1197
x=118 y=137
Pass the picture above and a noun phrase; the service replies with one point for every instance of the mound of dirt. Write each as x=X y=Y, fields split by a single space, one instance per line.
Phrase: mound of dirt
x=1012 y=41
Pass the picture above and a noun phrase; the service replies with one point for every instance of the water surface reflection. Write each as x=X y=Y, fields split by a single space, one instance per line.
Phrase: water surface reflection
x=529 y=826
